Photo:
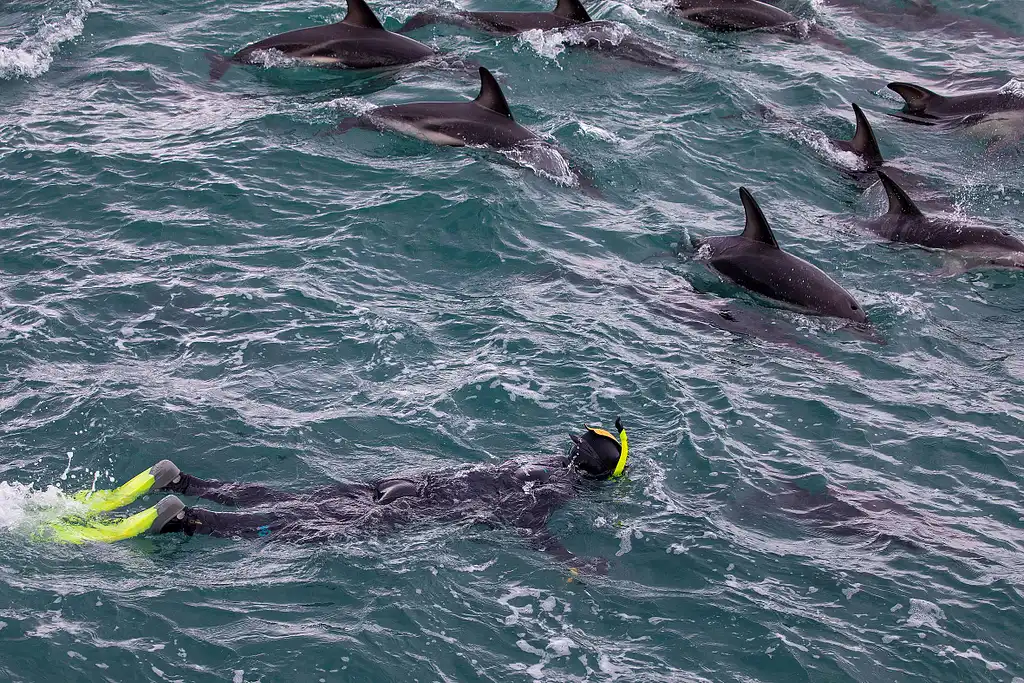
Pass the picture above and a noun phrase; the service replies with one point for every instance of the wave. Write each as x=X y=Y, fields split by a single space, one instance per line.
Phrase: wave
x=34 y=56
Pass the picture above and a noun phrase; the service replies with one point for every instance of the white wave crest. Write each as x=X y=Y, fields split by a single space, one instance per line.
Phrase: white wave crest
x=34 y=56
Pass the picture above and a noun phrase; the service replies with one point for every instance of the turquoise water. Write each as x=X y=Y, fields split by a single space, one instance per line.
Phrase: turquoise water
x=194 y=271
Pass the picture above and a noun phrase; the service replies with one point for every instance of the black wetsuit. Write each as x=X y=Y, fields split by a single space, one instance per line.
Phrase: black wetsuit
x=511 y=495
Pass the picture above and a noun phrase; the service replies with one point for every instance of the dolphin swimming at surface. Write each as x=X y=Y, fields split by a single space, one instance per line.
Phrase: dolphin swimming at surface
x=905 y=222
x=483 y=122
x=359 y=41
x=570 y=18
x=929 y=108
x=919 y=15
x=749 y=15
x=565 y=14
x=754 y=261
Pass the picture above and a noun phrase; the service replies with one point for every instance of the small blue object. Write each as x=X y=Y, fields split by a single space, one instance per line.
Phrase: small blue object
x=263 y=530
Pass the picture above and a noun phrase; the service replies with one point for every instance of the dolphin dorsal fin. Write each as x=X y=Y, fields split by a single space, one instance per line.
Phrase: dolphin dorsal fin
x=360 y=14
x=900 y=203
x=756 y=228
x=916 y=97
x=571 y=9
x=864 y=142
x=490 y=96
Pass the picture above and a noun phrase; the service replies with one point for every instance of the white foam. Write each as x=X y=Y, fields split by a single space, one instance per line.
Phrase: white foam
x=34 y=56
x=561 y=646
x=924 y=613
x=972 y=653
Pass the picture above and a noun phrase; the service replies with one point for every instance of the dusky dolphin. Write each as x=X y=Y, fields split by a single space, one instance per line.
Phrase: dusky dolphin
x=919 y=15
x=571 y=19
x=927 y=107
x=750 y=15
x=755 y=261
x=733 y=15
x=483 y=122
x=359 y=41
x=905 y=222
x=565 y=14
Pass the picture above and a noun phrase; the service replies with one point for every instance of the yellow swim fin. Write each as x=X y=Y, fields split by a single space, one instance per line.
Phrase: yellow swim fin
x=156 y=477
x=82 y=531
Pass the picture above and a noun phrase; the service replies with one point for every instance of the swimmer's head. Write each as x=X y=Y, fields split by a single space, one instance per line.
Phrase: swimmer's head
x=599 y=453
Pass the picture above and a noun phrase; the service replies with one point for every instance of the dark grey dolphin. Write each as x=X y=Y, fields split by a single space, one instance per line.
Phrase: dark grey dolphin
x=570 y=18
x=566 y=13
x=904 y=222
x=919 y=15
x=733 y=15
x=755 y=261
x=927 y=107
x=359 y=41
x=749 y=15
x=484 y=122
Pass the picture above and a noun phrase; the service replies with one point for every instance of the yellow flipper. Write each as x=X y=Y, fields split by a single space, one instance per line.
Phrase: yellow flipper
x=84 y=531
x=157 y=476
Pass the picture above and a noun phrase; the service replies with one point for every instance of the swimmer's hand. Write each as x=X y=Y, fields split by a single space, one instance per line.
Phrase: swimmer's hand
x=588 y=566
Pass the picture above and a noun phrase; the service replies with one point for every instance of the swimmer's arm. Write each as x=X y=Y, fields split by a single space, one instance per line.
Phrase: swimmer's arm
x=546 y=542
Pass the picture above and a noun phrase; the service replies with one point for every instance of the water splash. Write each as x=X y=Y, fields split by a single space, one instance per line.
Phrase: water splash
x=23 y=508
x=1014 y=87
x=34 y=56
x=549 y=44
x=822 y=145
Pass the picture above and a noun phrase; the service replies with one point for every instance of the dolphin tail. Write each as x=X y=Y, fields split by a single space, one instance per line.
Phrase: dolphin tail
x=219 y=65
x=916 y=97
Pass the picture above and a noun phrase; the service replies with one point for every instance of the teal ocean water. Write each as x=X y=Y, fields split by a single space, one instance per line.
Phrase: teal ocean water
x=198 y=271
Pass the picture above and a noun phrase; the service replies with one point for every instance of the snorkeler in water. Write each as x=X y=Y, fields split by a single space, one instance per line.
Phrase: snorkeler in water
x=511 y=495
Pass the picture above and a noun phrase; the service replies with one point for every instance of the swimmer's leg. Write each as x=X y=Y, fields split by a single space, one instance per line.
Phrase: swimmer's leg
x=156 y=477
x=227 y=493
x=152 y=519
x=191 y=521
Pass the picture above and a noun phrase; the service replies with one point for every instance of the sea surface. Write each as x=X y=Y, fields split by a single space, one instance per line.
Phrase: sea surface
x=204 y=272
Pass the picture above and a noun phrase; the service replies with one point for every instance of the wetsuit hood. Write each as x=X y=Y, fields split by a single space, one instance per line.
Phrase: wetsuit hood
x=597 y=453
